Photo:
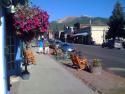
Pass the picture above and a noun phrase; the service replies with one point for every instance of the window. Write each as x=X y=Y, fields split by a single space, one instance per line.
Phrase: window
x=10 y=43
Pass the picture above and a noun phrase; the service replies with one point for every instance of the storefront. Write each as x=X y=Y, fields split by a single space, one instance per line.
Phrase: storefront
x=13 y=48
x=81 y=38
x=10 y=51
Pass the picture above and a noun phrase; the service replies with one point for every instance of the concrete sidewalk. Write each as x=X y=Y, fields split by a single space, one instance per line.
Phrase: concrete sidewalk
x=49 y=77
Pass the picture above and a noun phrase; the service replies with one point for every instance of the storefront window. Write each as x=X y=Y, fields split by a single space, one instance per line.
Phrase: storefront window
x=10 y=36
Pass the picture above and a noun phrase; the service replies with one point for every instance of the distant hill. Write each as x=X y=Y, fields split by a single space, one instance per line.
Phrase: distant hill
x=71 y=20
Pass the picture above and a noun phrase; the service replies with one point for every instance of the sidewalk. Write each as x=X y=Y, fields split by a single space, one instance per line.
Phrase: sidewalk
x=49 y=77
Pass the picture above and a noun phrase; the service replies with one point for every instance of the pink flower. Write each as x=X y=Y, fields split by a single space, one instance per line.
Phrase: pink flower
x=30 y=19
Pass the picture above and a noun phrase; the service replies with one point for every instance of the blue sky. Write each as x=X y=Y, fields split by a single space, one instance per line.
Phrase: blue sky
x=61 y=8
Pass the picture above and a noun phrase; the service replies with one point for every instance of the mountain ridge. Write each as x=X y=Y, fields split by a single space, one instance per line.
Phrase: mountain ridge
x=71 y=20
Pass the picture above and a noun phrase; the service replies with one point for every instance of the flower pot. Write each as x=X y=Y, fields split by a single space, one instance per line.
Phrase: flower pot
x=25 y=75
x=97 y=70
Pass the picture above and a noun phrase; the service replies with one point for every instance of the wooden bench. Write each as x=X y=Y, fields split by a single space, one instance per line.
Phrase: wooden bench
x=73 y=59
x=80 y=63
x=29 y=56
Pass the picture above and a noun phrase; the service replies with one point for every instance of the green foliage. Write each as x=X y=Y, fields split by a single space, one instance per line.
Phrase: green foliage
x=96 y=63
x=77 y=25
x=54 y=25
x=116 y=22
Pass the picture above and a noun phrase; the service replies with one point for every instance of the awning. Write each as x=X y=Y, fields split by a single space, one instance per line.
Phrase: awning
x=83 y=34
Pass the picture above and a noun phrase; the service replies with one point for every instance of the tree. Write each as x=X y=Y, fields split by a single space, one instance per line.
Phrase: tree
x=116 y=23
x=62 y=36
x=76 y=27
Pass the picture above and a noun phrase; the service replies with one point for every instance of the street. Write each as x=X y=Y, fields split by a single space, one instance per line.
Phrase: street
x=112 y=60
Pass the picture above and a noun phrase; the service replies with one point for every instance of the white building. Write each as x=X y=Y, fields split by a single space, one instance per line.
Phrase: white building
x=98 y=34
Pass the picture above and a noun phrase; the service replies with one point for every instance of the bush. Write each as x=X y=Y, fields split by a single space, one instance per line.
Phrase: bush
x=96 y=63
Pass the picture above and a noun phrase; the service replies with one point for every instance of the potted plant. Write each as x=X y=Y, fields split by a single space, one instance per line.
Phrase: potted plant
x=96 y=67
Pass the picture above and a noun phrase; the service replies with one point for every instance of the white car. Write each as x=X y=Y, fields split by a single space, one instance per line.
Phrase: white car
x=118 y=44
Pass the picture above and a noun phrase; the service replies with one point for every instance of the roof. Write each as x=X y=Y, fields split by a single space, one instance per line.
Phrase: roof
x=83 y=34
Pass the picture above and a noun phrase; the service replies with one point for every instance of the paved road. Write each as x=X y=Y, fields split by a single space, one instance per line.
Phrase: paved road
x=112 y=60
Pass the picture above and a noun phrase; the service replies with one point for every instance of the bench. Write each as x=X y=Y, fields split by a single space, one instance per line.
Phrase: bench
x=73 y=59
x=80 y=63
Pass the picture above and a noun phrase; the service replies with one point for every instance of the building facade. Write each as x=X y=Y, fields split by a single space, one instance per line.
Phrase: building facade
x=10 y=48
x=98 y=34
x=91 y=34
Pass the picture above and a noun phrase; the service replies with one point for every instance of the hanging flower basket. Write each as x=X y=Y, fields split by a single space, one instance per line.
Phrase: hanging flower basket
x=30 y=19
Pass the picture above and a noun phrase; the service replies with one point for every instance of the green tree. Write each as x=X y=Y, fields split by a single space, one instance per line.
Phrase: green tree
x=76 y=27
x=116 y=23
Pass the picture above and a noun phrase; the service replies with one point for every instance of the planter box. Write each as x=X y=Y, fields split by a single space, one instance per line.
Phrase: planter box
x=97 y=70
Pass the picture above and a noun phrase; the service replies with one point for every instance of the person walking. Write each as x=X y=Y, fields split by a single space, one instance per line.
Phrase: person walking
x=46 y=46
x=41 y=50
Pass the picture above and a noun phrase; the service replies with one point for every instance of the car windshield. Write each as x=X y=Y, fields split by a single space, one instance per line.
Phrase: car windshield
x=66 y=45
x=57 y=42
x=51 y=40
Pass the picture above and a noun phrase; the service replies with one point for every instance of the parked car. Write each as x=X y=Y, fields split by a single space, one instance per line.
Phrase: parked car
x=58 y=43
x=118 y=44
x=109 y=44
x=54 y=43
x=123 y=44
x=66 y=47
